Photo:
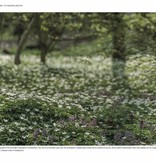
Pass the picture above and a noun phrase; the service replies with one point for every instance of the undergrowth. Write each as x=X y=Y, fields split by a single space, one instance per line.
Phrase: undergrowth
x=71 y=101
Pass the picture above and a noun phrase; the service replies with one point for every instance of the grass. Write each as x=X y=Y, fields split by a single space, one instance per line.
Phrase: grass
x=71 y=101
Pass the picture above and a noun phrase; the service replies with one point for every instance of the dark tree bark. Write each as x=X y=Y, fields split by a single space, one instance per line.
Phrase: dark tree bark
x=119 y=52
x=43 y=56
x=118 y=37
x=1 y=25
x=23 y=40
x=18 y=31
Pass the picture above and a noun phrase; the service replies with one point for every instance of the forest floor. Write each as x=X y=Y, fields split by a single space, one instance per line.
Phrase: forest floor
x=72 y=101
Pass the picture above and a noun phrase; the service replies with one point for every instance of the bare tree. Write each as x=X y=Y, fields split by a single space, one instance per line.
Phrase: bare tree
x=23 y=40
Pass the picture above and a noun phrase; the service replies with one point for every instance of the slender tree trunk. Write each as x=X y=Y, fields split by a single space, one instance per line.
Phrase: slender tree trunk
x=22 y=42
x=43 y=56
x=118 y=37
x=1 y=25
x=119 y=52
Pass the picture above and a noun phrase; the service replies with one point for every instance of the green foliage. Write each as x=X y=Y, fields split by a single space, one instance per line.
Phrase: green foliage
x=81 y=97
x=72 y=103
x=140 y=33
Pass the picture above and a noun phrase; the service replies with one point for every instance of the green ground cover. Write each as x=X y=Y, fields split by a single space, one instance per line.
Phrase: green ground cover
x=70 y=101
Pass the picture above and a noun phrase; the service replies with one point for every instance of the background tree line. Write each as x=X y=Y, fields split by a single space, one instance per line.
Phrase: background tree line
x=126 y=33
x=120 y=35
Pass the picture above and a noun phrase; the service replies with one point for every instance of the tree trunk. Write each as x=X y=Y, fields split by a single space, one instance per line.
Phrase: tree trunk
x=119 y=77
x=1 y=25
x=22 y=42
x=118 y=37
x=43 y=56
